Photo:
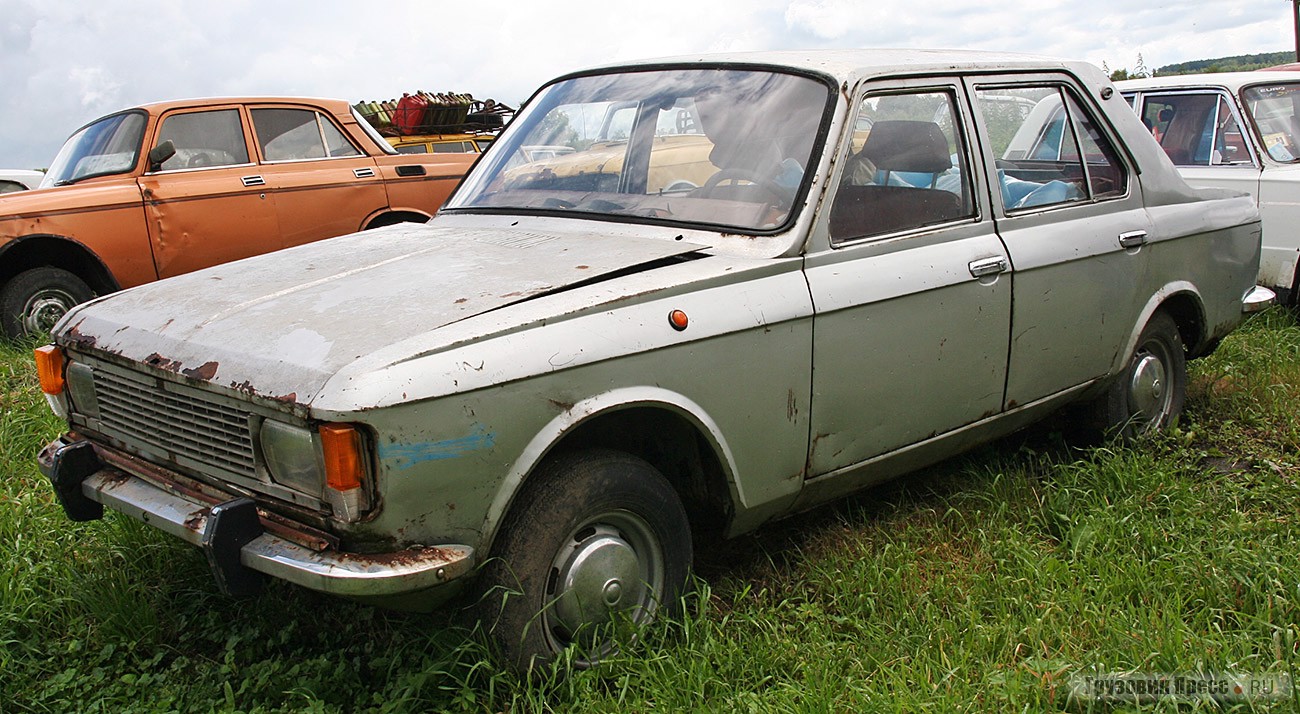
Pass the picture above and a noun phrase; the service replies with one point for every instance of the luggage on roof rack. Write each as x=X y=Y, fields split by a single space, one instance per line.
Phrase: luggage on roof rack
x=434 y=113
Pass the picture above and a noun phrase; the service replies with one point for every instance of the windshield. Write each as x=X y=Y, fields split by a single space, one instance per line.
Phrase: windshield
x=108 y=146
x=1274 y=109
x=722 y=147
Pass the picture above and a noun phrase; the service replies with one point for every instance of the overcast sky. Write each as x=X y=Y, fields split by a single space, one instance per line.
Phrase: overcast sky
x=66 y=62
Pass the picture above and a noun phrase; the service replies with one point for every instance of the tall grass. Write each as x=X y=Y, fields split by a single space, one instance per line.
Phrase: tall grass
x=979 y=585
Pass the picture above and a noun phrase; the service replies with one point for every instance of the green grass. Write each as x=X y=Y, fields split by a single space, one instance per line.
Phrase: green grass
x=979 y=585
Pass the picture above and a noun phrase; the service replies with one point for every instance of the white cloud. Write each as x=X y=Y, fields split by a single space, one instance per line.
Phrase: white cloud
x=67 y=63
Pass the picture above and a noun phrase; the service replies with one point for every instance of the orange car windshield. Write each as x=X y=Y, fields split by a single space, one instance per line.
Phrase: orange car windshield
x=721 y=147
x=107 y=146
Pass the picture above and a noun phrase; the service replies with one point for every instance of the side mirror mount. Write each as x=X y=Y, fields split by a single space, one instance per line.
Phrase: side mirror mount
x=160 y=153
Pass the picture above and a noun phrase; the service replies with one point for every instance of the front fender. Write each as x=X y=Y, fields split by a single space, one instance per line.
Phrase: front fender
x=589 y=409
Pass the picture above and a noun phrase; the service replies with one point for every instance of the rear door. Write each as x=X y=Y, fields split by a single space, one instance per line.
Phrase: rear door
x=323 y=184
x=204 y=205
x=1070 y=212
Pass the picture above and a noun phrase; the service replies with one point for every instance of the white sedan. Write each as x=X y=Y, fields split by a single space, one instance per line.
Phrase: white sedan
x=13 y=180
x=1237 y=130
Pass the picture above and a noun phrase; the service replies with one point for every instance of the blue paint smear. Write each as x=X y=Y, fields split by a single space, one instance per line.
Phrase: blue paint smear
x=404 y=456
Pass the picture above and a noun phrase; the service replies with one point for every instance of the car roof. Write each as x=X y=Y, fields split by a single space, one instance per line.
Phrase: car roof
x=855 y=64
x=1232 y=81
x=332 y=105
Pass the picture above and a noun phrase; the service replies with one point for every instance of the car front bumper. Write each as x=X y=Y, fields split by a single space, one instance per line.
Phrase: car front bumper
x=238 y=548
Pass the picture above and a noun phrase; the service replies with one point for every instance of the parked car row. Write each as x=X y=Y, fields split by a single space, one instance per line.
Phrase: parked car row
x=164 y=189
x=761 y=282
x=1237 y=130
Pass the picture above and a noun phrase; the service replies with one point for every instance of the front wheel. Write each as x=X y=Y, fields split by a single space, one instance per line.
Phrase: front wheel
x=1148 y=395
x=594 y=548
x=34 y=300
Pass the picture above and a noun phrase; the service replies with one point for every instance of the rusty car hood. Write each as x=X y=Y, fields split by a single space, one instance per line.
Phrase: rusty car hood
x=278 y=326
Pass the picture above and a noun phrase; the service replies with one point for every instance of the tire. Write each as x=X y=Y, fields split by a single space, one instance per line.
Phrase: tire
x=593 y=549
x=34 y=300
x=1148 y=396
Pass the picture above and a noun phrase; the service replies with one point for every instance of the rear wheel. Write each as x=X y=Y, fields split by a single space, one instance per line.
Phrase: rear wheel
x=34 y=300
x=1149 y=394
x=591 y=552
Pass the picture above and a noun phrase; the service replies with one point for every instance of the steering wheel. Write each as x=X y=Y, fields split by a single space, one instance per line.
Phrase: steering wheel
x=734 y=175
x=200 y=160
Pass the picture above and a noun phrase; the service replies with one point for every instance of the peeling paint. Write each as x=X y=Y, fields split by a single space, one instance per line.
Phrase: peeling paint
x=404 y=456
x=205 y=372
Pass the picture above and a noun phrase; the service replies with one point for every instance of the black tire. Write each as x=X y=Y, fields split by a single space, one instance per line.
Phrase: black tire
x=600 y=522
x=1148 y=396
x=34 y=300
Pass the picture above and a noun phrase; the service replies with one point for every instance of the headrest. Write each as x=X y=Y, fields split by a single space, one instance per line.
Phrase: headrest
x=911 y=146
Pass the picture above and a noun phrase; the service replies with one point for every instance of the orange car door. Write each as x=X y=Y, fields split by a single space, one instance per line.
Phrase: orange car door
x=206 y=204
x=324 y=185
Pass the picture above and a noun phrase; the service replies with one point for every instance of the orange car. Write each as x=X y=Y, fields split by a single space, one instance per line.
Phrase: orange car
x=167 y=188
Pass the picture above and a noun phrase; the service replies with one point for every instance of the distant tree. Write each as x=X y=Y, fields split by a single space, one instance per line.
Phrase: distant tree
x=1139 y=71
x=1237 y=63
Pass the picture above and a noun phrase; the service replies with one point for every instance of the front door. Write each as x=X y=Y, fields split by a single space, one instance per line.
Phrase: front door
x=198 y=204
x=912 y=302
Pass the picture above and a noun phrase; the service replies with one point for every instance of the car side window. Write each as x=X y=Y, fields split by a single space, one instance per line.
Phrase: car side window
x=1196 y=129
x=297 y=134
x=1049 y=151
x=203 y=139
x=906 y=167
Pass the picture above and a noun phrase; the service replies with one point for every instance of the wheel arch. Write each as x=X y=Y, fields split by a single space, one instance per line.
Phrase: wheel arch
x=671 y=433
x=393 y=216
x=1183 y=302
x=35 y=251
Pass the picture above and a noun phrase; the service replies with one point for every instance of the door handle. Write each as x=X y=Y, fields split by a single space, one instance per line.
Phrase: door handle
x=988 y=266
x=253 y=181
x=1133 y=239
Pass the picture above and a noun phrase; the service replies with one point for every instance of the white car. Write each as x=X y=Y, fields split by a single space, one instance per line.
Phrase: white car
x=14 y=180
x=1238 y=130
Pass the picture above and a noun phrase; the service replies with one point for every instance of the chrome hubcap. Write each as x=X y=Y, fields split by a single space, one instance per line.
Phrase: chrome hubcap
x=1149 y=389
x=608 y=573
x=44 y=309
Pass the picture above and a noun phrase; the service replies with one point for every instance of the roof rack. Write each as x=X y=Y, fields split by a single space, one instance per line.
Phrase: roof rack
x=434 y=113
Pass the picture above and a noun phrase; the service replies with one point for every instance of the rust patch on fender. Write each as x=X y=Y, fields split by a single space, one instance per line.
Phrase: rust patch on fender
x=562 y=406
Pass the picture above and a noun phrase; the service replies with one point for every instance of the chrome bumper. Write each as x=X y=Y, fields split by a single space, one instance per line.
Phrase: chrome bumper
x=1257 y=298
x=348 y=574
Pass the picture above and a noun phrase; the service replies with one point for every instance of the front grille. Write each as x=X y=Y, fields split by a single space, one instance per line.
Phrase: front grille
x=182 y=424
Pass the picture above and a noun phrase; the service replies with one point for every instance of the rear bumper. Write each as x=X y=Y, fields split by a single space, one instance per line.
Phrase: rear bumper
x=381 y=575
x=1256 y=299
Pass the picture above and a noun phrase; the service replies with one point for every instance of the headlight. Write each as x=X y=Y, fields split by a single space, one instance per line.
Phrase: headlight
x=292 y=456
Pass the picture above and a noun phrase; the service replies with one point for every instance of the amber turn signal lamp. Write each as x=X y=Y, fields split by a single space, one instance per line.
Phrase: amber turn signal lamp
x=341 y=445
x=49 y=367
x=678 y=320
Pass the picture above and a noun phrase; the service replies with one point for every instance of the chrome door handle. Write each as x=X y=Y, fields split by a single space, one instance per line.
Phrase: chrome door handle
x=1133 y=239
x=253 y=181
x=988 y=266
